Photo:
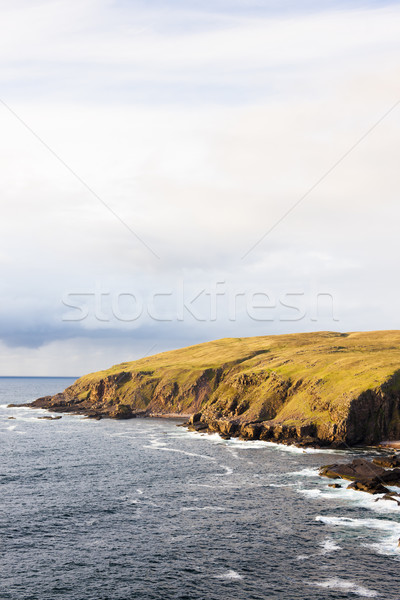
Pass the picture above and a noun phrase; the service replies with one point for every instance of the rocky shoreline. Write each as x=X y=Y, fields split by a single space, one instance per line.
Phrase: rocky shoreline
x=300 y=435
x=267 y=431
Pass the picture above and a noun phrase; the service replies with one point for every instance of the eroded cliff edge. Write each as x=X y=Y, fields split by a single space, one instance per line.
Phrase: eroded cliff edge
x=317 y=388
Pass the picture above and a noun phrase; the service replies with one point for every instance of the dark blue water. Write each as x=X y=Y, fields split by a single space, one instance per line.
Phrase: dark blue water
x=144 y=510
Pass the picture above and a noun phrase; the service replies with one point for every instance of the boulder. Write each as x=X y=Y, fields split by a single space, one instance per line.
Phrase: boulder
x=388 y=462
x=250 y=431
x=227 y=427
x=122 y=411
x=356 y=470
x=391 y=477
x=199 y=426
x=267 y=432
x=371 y=486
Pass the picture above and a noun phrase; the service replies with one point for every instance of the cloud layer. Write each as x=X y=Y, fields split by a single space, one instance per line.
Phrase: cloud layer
x=200 y=129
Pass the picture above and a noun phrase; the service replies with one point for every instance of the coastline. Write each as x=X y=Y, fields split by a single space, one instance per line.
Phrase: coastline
x=225 y=428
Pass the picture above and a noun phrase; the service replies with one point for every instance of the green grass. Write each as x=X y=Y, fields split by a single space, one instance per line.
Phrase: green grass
x=299 y=378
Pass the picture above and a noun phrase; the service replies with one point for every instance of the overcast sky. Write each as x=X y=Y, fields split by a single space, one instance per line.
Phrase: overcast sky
x=150 y=152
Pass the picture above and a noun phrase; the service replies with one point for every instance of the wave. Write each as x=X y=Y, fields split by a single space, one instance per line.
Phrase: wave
x=229 y=575
x=346 y=586
x=280 y=485
x=310 y=493
x=381 y=524
x=306 y=472
x=161 y=446
x=375 y=502
x=207 y=508
x=25 y=408
x=388 y=545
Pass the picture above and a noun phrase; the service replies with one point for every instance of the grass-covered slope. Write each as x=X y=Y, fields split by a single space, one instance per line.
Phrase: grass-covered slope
x=334 y=386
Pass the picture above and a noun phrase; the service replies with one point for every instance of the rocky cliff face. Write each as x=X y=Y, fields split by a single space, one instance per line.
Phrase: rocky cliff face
x=322 y=388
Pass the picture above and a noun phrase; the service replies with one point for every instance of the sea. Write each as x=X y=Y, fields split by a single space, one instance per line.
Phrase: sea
x=146 y=510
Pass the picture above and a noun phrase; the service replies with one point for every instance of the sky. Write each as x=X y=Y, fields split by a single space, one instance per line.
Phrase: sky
x=176 y=172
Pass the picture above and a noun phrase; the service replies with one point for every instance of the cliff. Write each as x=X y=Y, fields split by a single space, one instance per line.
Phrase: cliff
x=326 y=388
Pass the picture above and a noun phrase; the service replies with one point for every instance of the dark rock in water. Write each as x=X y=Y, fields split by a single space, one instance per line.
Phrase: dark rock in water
x=334 y=485
x=371 y=486
x=390 y=496
x=48 y=418
x=388 y=462
x=358 y=469
x=366 y=476
x=198 y=426
x=11 y=418
x=122 y=411
x=309 y=441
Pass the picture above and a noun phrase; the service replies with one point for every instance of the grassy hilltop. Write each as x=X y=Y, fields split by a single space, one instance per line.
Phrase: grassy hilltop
x=331 y=386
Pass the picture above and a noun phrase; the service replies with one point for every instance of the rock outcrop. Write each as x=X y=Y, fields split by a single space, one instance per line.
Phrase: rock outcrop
x=367 y=476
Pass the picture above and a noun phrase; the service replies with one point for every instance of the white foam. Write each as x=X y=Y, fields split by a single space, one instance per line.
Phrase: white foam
x=11 y=427
x=229 y=575
x=280 y=485
x=387 y=547
x=374 y=502
x=310 y=493
x=329 y=545
x=380 y=524
x=306 y=472
x=284 y=447
x=347 y=586
x=233 y=452
x=156 y=443
x=205 y=508
x=160 y=446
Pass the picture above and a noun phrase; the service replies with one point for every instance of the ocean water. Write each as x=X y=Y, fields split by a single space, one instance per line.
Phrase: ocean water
x=145 y=510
